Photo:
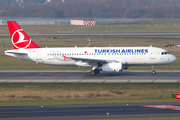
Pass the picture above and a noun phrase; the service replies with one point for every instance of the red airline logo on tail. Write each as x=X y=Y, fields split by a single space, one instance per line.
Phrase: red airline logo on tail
x=20 y=39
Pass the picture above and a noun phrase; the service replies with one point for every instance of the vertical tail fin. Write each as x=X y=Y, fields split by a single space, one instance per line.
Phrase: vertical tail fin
x=20 y=39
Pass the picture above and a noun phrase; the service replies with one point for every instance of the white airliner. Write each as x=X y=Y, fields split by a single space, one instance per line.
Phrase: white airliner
x=108 y=59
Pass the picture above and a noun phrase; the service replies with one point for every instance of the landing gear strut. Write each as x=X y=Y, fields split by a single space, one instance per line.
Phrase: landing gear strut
x=94 y=72
x=153 y=71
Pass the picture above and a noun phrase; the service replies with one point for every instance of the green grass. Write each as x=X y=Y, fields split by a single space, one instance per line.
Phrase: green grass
x=81 y=101
x=143 y=26
x=84 y=93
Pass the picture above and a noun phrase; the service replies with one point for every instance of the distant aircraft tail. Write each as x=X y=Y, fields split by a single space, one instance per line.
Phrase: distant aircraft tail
x=20 y=39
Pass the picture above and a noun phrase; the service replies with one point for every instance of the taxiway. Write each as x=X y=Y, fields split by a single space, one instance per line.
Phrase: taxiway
x=85 y=77
x=104 y=33
x=76 y=112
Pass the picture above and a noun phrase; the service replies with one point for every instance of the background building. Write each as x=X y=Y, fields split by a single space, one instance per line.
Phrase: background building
x=83 y=22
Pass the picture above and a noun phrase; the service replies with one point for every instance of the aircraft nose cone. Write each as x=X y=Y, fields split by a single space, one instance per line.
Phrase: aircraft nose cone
x=174 y=58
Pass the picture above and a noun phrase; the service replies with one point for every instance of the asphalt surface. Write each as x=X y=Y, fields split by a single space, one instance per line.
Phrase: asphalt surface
x=104 y=33
x=85 y=77
x=77 y=112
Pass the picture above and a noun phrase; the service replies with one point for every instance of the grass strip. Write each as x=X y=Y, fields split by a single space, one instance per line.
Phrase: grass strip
x=82 y=101
x=85 y=93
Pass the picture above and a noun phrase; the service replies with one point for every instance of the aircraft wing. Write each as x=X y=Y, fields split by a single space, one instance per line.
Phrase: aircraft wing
x=92 y=60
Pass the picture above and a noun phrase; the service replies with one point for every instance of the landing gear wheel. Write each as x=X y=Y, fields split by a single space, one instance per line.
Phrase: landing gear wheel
x=97 y=71
x=92 y=72
x=153 y=72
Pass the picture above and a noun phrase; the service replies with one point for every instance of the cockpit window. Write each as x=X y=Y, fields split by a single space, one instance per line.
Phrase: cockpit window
x=164 y=53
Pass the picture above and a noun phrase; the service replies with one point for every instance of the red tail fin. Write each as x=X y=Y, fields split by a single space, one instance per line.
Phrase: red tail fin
x=20 y=39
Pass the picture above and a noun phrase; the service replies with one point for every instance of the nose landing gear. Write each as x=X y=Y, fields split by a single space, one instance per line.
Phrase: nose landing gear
x=153 y=71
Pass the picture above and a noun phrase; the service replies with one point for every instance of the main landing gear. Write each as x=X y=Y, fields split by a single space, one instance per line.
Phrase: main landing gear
x=153 y=71
x=94 y=72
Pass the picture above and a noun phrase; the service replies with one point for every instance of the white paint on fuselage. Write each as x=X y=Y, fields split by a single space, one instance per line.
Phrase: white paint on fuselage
x=54 y=56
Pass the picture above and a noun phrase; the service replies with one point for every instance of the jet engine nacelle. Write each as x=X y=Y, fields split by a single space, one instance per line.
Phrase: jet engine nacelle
x=110 y=67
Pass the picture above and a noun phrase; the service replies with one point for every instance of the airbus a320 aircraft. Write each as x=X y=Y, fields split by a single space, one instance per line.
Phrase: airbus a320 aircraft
x=108 y=59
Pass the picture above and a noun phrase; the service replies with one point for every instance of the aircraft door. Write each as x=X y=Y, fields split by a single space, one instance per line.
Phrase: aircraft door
x=153 y=54
x=92 y=54
x=39 y=55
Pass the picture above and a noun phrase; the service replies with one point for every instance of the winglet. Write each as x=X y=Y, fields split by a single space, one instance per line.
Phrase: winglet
x=20 y=39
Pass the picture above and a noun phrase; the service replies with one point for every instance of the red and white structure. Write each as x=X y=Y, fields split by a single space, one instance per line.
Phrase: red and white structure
x=83 y=22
